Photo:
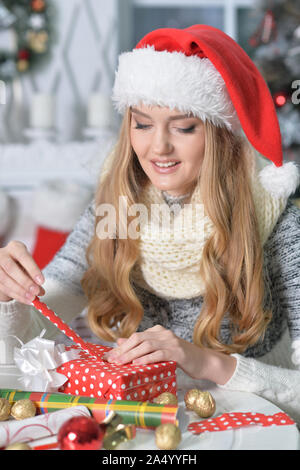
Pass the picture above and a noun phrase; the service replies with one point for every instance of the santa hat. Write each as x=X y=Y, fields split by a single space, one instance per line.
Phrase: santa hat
x=202 y=71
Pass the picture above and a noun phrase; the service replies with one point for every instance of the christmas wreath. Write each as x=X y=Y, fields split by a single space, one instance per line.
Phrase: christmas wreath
x=30 y=24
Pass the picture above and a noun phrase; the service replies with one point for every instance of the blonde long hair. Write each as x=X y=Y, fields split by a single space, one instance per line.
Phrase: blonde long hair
x=232 y=260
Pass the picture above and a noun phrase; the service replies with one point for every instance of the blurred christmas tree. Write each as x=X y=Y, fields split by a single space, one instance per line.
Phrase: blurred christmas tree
x=276 y=52
x=30 y=24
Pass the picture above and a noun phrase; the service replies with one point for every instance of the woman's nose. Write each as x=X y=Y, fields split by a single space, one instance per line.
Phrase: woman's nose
x=161 y=144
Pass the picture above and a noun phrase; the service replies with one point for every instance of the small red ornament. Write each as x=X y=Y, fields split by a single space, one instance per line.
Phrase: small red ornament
x=280 y=99
x=38 y=5
x=80 y=433
x=23 y=54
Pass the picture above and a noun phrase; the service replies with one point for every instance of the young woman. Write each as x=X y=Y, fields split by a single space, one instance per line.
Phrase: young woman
x=190 y=248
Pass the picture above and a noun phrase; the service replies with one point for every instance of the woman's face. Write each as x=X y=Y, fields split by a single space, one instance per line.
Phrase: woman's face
x=160 y=135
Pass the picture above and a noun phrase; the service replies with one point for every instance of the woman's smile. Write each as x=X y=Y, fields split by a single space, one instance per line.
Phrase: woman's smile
x=163 y=169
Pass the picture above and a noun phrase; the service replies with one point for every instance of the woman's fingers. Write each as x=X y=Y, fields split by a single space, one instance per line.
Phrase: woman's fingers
x=121 y=341
x=20 y=253
x=156 y=356
x=12 y=289
x=127 y=345
x=157 y=344
x=144 y=344
x=142 y=349
x=20 y=277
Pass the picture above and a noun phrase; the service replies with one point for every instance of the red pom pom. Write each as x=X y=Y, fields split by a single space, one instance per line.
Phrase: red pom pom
x=80 y=433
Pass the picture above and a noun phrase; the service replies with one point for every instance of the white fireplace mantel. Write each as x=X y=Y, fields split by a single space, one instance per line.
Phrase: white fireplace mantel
x=24 y=166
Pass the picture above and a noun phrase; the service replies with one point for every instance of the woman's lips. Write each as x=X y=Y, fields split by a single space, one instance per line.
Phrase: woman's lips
x=166 y=170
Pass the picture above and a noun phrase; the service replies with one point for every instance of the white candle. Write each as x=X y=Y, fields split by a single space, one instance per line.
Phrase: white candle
x=100 y=111
x=42 y=111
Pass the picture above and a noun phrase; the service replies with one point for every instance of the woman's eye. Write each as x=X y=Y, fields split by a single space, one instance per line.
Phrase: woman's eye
x=188 y=130
x=147 y=126
x=141 y=126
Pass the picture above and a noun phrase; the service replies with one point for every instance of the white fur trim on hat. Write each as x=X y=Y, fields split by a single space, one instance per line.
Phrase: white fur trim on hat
x=280 y=181
x=57 y=205
x=172 y=79
x=5 y=216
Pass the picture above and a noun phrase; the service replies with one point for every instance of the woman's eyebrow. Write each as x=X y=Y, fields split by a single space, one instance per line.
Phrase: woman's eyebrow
x=171 y=118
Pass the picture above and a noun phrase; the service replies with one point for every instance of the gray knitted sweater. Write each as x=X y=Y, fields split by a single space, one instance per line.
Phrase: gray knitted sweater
x=270 y=369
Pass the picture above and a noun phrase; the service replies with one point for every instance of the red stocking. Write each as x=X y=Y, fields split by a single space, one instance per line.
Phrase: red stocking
x=47 y=243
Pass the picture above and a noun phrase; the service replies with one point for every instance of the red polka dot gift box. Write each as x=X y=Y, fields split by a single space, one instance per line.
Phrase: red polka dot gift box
x=90 y=376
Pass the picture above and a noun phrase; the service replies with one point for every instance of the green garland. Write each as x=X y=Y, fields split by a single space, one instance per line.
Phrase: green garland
x=32 y=22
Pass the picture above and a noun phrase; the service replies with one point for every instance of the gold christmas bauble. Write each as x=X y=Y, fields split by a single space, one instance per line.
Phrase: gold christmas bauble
x=22 y=65
x=204 y=405
x=166 y=398
x=22 y=409
x=190 y=398
x=167 y=436
x=38 y=41
x=18 y=446
x=5 y=408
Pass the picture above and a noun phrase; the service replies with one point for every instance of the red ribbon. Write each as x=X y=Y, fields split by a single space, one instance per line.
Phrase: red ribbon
x=229 y=421
x=62 y=326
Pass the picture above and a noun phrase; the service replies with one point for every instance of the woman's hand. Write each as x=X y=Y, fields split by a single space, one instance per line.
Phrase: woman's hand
x=158 y=344
x=20 y=277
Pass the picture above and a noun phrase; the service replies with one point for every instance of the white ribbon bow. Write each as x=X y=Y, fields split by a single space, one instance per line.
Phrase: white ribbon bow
x=37 y=361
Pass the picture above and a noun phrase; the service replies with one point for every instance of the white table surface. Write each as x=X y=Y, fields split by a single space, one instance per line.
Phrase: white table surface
x=245 y=438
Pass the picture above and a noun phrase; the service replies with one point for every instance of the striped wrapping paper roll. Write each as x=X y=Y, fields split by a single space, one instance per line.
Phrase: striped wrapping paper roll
x=141 y=414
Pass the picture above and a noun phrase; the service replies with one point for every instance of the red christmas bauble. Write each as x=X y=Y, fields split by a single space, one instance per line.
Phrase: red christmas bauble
x=80 y=433
x=23 y=54
x=37 y=5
